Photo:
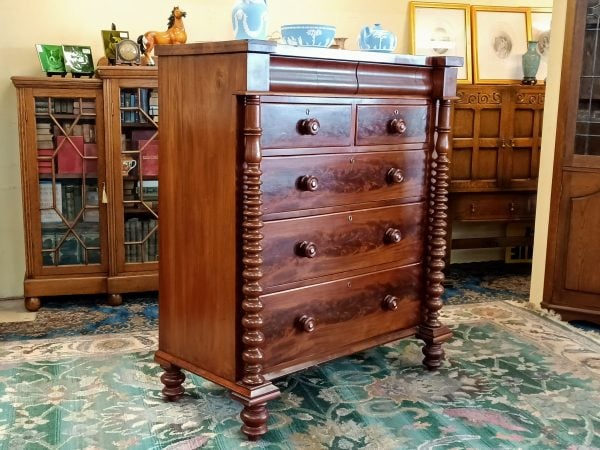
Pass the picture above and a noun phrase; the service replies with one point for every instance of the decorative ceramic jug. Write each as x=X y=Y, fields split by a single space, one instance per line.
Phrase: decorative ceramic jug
x=377 y=39
x=249 y=18
x=531 y=63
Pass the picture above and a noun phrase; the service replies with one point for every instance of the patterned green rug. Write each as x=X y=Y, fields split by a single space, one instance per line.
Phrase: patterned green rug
x=514 y=378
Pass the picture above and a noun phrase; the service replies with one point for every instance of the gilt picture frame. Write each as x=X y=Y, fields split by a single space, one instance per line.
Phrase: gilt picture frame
x=442 y=29
x=500 y=36
x=540 y=20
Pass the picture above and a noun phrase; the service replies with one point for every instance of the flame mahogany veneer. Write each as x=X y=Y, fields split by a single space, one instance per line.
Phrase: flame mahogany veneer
x=301 y=215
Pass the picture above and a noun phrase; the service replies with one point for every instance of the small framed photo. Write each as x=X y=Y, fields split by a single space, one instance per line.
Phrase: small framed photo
x=78 y=59
x=51 y=58
x=442 y=29
x=110 y=39
x=500 y=37
x=540 y=21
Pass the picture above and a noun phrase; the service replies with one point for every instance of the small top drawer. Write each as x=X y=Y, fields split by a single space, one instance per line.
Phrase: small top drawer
x=389 y=124
x=289 y=125
x=493 y=206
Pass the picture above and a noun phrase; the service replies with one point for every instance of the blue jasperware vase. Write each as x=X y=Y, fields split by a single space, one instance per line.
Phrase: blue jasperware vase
x=249 y=19
x=376 y=39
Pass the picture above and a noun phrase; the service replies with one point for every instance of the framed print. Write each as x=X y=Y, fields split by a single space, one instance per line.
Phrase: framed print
x=540 y=21
x=51 y=58
x=442 y=29
x=499 y=40
x=78 y=59
x=110 y=39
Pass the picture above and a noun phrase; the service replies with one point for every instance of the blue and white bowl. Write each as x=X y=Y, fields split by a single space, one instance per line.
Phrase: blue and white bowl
x=308 y=35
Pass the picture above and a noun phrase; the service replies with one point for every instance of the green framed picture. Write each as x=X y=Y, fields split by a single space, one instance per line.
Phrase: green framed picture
x=110 y=39
x=78 y=59
x=51 y=58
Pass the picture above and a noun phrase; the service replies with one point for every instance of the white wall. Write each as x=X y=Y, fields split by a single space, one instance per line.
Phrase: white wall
x=25 y=23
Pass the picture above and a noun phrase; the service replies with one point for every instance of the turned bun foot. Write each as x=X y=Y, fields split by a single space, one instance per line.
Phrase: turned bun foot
x=114 y=299
x=32 y=303
x=173 y=379
x=434 y=354
x=255 y=421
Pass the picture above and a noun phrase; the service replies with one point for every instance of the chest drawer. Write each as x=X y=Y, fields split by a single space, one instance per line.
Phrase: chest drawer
x=309 y=247
x=305 y=182
x=493 y=206
x=308 y=323
x=305 y=125
x=389 y=124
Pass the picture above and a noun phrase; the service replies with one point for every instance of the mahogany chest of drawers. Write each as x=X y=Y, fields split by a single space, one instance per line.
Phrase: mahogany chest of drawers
x=303 y=210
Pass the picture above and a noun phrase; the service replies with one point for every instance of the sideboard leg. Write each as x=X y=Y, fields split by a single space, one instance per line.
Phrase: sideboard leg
x=173 y=379
x=114 y=299
x=254 y=415
x=32 y=303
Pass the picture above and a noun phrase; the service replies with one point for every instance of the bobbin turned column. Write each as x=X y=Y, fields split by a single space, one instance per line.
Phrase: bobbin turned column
x=255 y=414
x=431 y=329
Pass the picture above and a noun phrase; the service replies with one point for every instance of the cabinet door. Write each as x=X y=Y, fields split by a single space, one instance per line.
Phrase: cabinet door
x=572 y=285
x=521 y=147
x=67 y=224
x=477 y=134
x=135 y=170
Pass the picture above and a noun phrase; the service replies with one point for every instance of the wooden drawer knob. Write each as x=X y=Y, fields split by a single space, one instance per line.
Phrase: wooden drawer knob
x=306 y=249
x=308 y=183
x=390 y=303
x=309 y=126
x=394 y=176
x=307 y=323
x=397 y=126
x=393 y=236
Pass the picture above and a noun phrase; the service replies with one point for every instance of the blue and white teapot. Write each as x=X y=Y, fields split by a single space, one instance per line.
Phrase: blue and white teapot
x=376 y=39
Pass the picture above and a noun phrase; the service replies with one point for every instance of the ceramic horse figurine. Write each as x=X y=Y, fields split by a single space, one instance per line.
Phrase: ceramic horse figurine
x=175 y=34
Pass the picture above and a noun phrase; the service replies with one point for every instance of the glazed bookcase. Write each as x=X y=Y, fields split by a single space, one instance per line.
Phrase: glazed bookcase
x=78 y=206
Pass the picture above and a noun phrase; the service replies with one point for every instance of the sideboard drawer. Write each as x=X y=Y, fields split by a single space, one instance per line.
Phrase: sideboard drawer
x=305 y=182
x=309 y=247
x=389 y=124
x=289 y=125
x=311 y=322
x=493 y=206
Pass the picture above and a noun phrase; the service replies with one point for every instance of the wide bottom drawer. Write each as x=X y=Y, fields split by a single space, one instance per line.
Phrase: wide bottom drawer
x=309 y=323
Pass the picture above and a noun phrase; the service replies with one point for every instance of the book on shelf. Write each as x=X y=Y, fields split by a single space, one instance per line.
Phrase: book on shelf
x=90 y=151
x=141 y=240
x=148 y=157
x=50 y=202
x=60 y=246
x=91 y=212
x=70 y=154
x=45 y=160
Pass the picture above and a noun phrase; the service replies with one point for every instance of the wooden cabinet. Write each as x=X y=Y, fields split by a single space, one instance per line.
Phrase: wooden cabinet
x=572 y=285
x=297 y=219
x=73 y=133
x=495 y=158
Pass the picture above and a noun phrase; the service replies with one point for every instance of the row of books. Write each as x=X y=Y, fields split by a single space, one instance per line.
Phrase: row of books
x=142 y=145
x=63 y=246
x=46 y=105
x=139 y=105
x=66 y=200
x=141 y=240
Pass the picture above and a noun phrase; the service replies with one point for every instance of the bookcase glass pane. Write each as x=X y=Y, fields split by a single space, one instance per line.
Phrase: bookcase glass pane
x=139 y=158
x=587 y=131
x=68 y=180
